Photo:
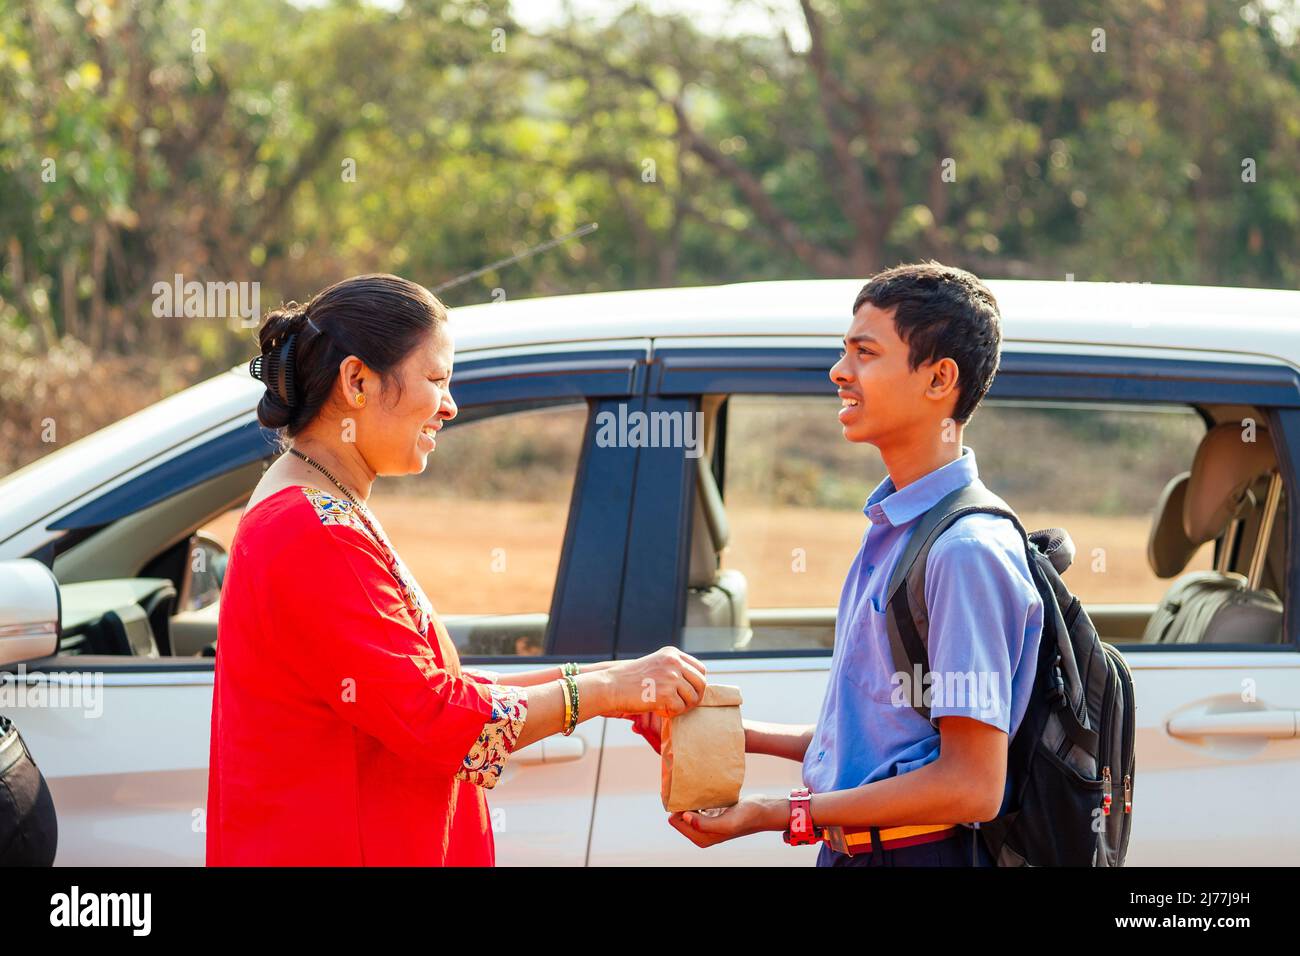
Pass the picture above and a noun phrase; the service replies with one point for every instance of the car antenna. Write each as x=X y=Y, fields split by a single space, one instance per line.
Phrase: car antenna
x=541 y=247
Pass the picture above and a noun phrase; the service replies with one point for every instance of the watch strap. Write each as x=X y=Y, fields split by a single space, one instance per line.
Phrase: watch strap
x=800 y=830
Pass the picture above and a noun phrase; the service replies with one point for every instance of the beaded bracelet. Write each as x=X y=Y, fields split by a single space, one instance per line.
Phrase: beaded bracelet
x=569 y=670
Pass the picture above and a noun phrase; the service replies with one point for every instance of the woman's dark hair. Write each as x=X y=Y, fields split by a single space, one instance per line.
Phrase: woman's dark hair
x=943 y=312
x=378 y=318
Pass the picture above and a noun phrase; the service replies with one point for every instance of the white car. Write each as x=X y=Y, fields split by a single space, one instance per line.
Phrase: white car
x=546 y=530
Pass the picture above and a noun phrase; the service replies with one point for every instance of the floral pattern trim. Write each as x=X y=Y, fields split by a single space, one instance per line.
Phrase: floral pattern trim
x=483 y=764
x=331 y=509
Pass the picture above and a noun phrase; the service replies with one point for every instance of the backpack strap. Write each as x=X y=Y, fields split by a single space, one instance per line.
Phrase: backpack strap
x=908 y=620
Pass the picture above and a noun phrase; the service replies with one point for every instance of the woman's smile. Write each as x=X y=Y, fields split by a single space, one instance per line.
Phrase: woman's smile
x=428 y=437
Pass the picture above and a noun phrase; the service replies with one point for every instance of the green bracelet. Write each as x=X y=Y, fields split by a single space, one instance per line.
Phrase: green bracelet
x=569 y=670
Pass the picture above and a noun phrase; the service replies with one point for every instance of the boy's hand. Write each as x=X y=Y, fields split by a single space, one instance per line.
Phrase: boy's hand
x=648 y=726
x=750 y=815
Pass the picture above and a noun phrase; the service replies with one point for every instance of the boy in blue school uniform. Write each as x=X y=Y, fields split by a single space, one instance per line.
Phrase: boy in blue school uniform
x=884 y=786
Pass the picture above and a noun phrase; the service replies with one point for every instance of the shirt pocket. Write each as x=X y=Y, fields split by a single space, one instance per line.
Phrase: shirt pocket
x=868 y=661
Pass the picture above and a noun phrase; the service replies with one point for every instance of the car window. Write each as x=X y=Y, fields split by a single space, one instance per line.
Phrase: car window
x=222 y=528
x=1096 y=470
x=482 y=528
x=792 y=490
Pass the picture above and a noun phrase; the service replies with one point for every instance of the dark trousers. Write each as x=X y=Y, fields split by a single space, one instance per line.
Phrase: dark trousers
x=963 y=849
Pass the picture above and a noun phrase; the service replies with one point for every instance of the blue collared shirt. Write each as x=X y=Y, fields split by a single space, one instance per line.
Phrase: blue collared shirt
x=986 y=618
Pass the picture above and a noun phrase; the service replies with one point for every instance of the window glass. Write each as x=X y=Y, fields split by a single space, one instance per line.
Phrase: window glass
x=482 y=529
x=792 y=492
x=1097 y=471
x=222 y=528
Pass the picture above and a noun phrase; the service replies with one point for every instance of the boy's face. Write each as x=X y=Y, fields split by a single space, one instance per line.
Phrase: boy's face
x=882 y=396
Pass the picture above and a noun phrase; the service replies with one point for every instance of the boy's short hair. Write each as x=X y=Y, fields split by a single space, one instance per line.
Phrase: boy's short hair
x=943 y=312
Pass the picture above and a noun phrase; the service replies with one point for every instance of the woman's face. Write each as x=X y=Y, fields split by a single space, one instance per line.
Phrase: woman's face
x=397 y=429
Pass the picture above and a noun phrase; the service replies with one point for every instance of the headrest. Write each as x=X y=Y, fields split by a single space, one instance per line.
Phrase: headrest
x=1223 y=470
x=1168 y=549
x=712 y=532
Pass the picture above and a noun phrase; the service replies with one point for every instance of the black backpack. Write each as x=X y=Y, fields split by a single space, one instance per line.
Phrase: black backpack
x=29 y=830
x=1071 y=759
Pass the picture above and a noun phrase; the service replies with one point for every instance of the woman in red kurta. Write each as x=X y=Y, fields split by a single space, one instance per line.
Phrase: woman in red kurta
x=344 y=730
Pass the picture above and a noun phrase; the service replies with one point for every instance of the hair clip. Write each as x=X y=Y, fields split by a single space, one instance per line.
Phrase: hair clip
x=275 y=369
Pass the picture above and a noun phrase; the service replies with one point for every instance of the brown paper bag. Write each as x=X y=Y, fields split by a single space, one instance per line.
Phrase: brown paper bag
x=703 y=753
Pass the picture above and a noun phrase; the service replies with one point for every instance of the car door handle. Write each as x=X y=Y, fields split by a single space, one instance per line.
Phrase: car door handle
x=562 y=749
x=1275 y=724
x=559 y=749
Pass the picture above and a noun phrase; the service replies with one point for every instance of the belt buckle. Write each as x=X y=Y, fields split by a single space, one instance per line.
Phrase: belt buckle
x=838 y=841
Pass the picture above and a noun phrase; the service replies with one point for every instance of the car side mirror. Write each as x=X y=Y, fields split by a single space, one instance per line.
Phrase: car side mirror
x=205 y=570
x=30 y=611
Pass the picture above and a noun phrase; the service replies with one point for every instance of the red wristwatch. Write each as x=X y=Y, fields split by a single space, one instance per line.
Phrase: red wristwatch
x=801 y=830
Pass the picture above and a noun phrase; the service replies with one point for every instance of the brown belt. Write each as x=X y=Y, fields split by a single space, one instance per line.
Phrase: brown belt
x=856 y=840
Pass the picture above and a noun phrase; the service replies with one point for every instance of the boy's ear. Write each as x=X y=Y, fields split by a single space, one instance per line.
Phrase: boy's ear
x=943 y=378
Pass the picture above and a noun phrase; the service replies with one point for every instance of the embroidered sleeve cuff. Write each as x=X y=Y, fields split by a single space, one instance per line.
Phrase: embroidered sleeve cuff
x=483 y=764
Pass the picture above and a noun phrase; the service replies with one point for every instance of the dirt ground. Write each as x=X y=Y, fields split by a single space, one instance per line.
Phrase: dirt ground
x=475 y=557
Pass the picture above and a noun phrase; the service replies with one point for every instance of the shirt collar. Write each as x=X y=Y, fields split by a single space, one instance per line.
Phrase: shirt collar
x=888 y=505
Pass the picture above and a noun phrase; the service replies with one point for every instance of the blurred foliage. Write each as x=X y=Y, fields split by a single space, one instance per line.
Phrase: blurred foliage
x=218 y=140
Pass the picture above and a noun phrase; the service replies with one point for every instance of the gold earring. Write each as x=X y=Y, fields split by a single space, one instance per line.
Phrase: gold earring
x=361 y=399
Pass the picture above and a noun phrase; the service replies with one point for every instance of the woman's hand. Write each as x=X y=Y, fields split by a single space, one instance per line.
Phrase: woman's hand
x=667 y=682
